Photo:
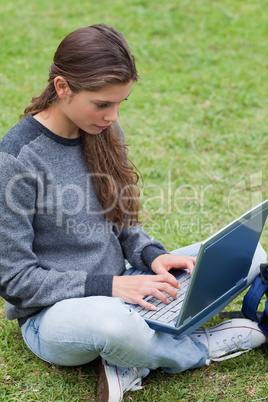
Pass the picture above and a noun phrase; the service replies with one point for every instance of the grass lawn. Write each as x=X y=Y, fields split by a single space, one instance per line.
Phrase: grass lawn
x=197 y=127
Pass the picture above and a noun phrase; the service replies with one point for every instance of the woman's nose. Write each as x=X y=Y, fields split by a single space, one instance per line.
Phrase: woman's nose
x=112 y=114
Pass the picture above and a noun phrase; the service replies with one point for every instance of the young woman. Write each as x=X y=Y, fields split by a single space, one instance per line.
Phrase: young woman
x=69 y=213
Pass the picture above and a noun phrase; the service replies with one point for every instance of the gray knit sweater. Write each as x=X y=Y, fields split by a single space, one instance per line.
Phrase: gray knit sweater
x=54 y=241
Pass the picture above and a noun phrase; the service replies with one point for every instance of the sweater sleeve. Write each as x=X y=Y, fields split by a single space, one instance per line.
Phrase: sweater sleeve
x=139 y=248
x=23 y=282
x=150 y=253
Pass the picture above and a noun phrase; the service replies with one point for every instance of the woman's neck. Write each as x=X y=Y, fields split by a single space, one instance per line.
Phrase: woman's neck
x=53 y=119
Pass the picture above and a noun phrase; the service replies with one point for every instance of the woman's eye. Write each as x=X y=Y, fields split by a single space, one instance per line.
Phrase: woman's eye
x=102 y=105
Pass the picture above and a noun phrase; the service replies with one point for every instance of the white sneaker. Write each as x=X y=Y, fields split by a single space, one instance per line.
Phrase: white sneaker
x=115 y=380
x=230 y=338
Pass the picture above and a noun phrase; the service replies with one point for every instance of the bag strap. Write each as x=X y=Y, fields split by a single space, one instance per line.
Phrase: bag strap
x=253 y=297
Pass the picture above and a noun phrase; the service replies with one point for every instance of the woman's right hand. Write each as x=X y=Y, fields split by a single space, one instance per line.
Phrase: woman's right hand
x=133 y=289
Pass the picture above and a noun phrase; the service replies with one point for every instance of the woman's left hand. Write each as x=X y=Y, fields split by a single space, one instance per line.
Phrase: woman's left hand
x=166 y=262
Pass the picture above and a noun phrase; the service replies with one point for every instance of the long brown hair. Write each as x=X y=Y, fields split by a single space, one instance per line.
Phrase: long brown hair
x=93 y=58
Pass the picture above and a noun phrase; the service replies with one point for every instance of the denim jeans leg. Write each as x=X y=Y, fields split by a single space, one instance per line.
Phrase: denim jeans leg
x=191 y=250
x=77 y=331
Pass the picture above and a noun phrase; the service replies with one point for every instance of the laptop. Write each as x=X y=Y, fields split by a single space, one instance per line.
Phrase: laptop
x=220 y=274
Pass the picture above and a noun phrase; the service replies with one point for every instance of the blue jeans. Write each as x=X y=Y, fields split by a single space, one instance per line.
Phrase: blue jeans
x=77 y=331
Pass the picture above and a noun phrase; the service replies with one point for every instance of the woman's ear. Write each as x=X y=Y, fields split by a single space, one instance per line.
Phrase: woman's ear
x=62 y=87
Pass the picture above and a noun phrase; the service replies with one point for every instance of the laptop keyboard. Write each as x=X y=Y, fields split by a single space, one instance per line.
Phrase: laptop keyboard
x=166 y=312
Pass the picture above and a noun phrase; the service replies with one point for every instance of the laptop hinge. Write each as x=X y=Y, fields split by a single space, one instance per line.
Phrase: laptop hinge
x=240 y=282
x=188 y=319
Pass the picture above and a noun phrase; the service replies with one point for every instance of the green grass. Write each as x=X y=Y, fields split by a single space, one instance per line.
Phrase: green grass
x=197 y=127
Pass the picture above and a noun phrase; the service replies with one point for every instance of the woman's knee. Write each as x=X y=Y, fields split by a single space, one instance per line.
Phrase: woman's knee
x=69 y=319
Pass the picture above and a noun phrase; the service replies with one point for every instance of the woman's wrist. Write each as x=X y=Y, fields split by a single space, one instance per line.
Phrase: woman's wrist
x=150 y=253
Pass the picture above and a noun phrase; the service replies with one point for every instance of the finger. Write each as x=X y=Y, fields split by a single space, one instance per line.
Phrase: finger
x=149 y=306
x=190 y=266
x=167 y=278
x=168 y=290
x=192 y=258
x=158 y=294
x=187 y=263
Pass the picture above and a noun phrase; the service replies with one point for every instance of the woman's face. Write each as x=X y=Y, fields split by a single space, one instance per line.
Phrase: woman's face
x=93 y=112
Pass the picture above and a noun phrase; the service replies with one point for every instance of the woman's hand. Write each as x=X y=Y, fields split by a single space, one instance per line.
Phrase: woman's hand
x=133 y=289
x=165 y=262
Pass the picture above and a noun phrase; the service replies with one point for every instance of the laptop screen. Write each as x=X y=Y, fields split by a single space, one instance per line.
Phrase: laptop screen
x=223 y=263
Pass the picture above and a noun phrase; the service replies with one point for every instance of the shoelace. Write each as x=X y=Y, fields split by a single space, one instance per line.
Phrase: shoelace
x=229 y=346
x=136 y=382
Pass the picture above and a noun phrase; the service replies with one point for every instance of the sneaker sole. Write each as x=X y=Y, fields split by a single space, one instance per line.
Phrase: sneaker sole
x=103 y=393
x=103 y=387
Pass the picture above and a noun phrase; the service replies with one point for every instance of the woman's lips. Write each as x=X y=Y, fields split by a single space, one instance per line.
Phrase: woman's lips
x=102 y=127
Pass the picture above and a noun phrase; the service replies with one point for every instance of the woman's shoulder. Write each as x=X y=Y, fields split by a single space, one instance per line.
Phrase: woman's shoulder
x=18 y=136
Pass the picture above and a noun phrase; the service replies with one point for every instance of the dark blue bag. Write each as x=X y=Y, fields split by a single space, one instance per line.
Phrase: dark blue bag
x=253 y=297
